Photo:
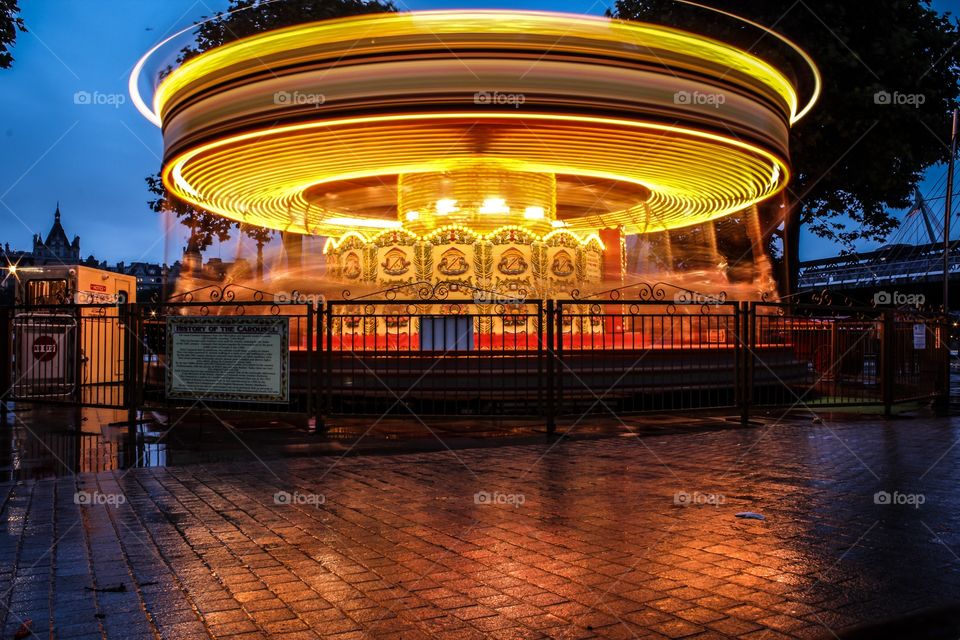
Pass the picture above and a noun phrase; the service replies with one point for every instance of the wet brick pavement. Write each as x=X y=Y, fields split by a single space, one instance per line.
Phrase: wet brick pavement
x=615 y=538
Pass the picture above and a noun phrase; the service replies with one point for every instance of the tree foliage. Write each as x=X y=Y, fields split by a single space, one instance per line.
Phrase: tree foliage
x=205 y=227
x=250 y=17
x=857 y=153
x=10 y=23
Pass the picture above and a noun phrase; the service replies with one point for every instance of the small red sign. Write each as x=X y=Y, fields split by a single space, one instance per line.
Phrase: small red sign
x=44 y=348
x=98 y=287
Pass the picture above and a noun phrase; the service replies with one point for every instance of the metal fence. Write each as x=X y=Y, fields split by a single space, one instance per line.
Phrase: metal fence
x=433 y=356
x=644 y=355
x=552 y=359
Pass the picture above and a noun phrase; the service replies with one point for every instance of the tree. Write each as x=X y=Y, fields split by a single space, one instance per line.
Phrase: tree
x=10 y=23
x=205 y=227
x=856 y=154
x=244 y=18
x=261 y=236
x=249 y=17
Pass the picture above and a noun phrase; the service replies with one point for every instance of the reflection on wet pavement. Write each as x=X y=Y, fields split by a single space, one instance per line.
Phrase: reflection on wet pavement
x=41 y=441
x=611 y=538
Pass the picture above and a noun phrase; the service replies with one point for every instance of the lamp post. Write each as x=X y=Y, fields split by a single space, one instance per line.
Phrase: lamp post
x=948 y=210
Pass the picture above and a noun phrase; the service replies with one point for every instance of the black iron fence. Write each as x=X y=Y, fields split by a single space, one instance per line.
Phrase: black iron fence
x=554 y=359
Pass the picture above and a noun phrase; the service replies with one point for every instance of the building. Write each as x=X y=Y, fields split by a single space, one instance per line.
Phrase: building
x=56 y=249
x=153 y=280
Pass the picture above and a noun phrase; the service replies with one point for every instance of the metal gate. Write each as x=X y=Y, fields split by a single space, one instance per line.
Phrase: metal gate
x=66 y=354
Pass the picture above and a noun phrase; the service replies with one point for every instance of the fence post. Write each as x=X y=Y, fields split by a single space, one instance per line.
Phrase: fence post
x=316 y=386
x=558 y=365
x=551 y=409
x=130 y=377
x=745 y=344
x=942 y=349
x=308 y=396
x=6 y=361
x=887 y=361
x=78 y=356
x=326 y=373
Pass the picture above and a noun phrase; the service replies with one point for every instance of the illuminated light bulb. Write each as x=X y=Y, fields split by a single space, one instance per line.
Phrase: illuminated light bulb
x=361 y=222
x=533 y=213
x=558 y=224
x=446 y=206
x=412 y=215
x=494 y=205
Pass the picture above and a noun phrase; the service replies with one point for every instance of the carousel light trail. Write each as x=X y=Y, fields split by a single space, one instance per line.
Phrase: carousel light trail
x=697 y=126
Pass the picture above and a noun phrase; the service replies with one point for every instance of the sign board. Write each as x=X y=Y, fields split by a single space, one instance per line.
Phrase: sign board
x=242 y=359
x=96 y=297
x=717 y=336
x=446 y=333
x=45 y=354
x=919 y=336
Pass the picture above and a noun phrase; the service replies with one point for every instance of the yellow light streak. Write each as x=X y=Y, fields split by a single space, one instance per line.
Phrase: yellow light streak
x=259 y=176
x=446 y=29
x=709 y=162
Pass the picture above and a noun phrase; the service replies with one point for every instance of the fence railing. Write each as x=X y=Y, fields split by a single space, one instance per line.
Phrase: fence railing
x=551 y=359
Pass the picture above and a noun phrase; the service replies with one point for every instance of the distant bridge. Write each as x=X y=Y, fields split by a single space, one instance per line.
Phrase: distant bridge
x=900 y=266
x=891 y=264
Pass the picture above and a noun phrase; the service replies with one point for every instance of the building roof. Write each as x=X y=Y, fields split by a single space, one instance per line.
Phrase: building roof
x=56 y=231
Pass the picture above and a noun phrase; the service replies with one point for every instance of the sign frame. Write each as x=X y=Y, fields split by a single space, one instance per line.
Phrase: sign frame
x=236 y=328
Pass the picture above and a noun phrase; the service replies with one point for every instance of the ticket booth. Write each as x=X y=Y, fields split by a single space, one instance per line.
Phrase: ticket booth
x=70 y=318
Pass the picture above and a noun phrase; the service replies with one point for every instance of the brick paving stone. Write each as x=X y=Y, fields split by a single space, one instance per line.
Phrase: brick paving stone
x=598 y=549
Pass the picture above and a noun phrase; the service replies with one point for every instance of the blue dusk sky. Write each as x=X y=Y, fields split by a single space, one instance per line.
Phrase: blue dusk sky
x=93 y=158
